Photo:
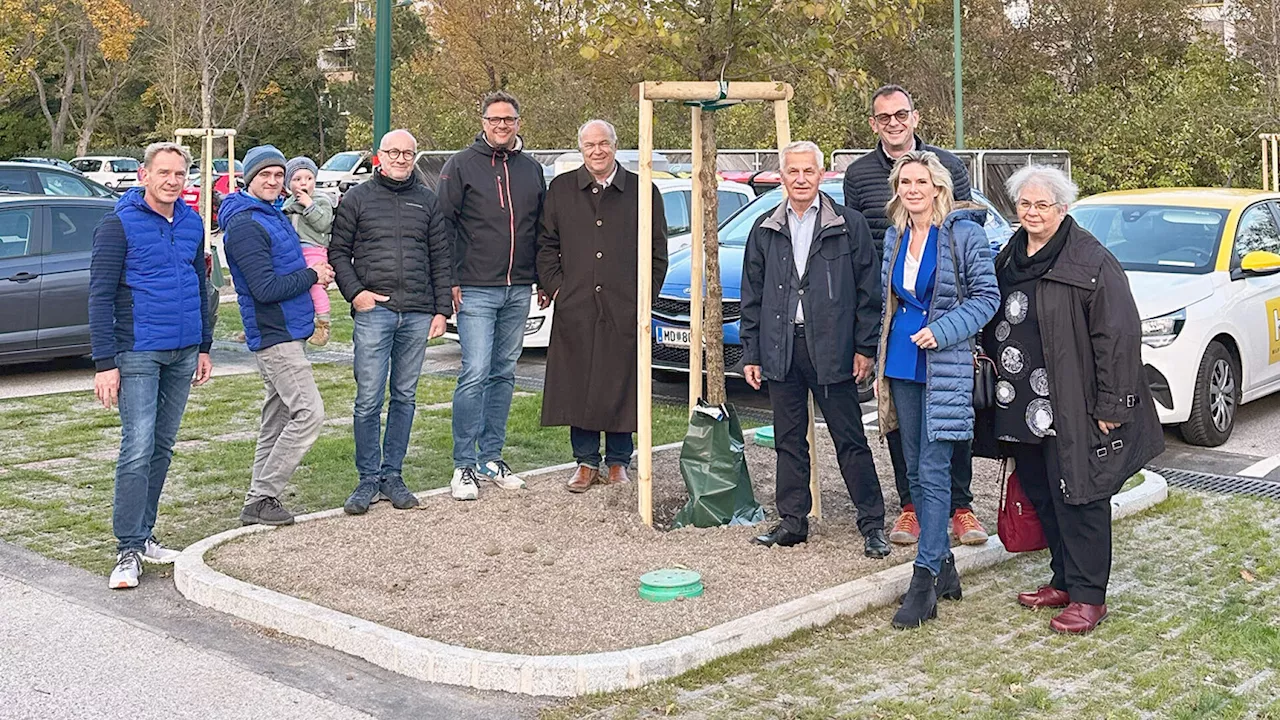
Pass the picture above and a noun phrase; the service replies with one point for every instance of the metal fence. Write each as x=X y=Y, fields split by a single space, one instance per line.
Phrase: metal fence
x=989 y=170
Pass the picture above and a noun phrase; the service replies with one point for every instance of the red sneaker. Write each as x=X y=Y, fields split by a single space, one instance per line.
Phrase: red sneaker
x=906 y=531
x=967 y=529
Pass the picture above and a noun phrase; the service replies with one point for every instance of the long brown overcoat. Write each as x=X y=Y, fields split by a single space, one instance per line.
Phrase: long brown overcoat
x=587 y=260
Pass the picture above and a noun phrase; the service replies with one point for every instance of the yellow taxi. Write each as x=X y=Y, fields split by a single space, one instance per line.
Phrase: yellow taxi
x=1204 y=268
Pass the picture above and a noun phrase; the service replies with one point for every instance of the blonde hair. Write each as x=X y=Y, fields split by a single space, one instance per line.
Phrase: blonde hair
x=938 y=174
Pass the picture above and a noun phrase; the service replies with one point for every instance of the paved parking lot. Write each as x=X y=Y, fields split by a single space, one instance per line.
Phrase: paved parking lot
x=1253 y=450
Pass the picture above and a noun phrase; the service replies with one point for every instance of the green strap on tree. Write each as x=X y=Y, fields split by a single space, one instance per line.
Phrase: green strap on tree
x=716 y=104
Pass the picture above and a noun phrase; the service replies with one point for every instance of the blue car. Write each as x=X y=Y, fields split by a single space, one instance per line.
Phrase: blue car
x=671 y=334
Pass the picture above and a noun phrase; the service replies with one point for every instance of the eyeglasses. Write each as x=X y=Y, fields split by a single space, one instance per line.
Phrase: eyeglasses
x=603 y=145
x=397 y=153
x=901 y=116
x=501 y=120
x=1041 y=206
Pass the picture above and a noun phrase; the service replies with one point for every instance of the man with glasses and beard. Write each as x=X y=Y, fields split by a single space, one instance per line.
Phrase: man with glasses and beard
x=391 y=253
x=866 y=189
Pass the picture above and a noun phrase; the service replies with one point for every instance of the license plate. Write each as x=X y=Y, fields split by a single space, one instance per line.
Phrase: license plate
x=676 y=337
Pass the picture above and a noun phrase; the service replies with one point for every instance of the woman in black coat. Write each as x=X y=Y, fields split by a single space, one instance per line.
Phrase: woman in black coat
x=1073 y=408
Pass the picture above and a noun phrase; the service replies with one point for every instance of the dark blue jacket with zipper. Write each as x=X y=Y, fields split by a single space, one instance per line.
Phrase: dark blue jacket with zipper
x=273 y=282
x=147 y=281
x=492 y=198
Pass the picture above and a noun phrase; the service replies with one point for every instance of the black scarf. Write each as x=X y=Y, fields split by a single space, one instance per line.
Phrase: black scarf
x=1018 y=267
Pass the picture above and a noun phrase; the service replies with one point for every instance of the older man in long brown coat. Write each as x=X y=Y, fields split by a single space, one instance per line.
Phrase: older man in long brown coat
x=587 y=262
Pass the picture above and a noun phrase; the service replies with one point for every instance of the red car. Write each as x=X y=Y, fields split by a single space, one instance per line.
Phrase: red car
x=191 y=193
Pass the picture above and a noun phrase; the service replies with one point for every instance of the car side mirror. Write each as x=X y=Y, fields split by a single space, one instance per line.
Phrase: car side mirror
x=1260 y=262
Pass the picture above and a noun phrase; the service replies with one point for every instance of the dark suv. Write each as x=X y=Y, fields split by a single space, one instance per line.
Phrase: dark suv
x=29 y=178
x=45 y=243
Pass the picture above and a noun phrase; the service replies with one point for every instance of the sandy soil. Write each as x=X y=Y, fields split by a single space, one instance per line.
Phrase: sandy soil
x=543 y=571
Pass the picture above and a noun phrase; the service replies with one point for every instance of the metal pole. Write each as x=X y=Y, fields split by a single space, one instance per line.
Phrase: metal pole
x=955 y=51
x=382 y=72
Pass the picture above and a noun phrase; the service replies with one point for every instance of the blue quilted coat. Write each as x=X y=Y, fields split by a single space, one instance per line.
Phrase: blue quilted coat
x=949 y=368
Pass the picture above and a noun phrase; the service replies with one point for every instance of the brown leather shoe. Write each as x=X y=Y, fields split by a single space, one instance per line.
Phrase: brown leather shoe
x=583 y=478
x=1046 y=596
x=617 y=474
x=1078 y=619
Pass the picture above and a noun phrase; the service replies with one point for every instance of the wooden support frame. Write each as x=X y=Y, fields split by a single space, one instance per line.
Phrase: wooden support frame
x=646 y=93
x=1270 y=161
x=206 y=136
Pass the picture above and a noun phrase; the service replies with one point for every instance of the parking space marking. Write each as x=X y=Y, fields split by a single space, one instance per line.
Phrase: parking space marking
x=1262 y=468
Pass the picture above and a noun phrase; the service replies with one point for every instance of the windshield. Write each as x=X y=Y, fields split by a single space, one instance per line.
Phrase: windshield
x=126 y=165
x=735 y=232
x=342 y=162
x=1156 y=238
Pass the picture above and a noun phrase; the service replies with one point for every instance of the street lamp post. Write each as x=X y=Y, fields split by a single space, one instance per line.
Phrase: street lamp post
x=955 y=51
x=382 y=71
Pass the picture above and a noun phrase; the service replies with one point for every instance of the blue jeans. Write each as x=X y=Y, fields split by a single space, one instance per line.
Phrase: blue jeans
x=153 y=395
x=386 y=343
x=491 y=331
x=928 y=472
x=586 y=447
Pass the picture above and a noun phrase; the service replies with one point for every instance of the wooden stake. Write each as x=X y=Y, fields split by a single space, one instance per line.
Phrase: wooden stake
x=644 y=308
x=683 y=90
x=782 y=118
x=696 y=266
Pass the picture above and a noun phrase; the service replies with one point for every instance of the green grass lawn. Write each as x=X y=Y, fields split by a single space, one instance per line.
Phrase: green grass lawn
x=1192 y=633
x=57 y=459
x=230 y=323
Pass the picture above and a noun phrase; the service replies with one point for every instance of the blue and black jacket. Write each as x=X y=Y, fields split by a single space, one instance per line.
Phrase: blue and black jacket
x=147 y=282
x=272 y=279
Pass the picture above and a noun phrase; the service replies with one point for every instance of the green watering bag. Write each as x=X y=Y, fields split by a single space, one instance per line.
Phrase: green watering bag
x=713 y=463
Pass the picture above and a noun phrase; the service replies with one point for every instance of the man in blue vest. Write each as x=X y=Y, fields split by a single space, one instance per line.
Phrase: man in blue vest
x=151 y=331
x=273 y=286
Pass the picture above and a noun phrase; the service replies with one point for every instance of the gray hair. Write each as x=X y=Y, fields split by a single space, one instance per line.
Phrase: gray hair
x=796 y=148
x=156 y=148
x=399 y=131
x=1046 y=177
x=608 y=128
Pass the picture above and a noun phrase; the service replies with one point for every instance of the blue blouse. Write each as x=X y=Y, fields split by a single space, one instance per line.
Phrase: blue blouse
x=904 y=360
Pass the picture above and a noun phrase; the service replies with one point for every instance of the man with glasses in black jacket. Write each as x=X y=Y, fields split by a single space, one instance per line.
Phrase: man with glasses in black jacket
x=894 y=118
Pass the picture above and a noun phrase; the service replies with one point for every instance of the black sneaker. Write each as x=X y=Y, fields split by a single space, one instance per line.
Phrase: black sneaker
x=361 y=498
x=265 y=511
x=395 y=490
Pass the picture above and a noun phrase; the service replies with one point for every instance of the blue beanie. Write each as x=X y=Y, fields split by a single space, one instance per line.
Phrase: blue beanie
x=301 y=162
x=260 y=158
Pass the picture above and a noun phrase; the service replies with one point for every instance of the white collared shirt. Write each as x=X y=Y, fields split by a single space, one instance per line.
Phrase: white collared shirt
x=609 y=180
x=802 y=227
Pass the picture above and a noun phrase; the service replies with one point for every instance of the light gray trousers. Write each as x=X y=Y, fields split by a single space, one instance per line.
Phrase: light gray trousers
x=292 y=417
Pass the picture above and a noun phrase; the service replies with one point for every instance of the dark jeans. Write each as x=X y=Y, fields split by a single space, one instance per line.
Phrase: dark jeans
x=961 y=473
x=928 y=463
x=839 y=405
x=153 y=395
x=1079 y=535
x=390 y=344
x=586 y=447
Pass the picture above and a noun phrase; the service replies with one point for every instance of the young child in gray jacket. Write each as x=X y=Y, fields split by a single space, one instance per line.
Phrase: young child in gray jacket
x=312 y=216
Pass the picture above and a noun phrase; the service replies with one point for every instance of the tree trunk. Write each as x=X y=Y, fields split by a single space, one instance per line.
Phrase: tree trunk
x=713 y=322
x=206 y=76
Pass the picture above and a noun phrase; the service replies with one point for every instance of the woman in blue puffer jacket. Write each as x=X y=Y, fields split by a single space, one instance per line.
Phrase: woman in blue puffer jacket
x=940 y=289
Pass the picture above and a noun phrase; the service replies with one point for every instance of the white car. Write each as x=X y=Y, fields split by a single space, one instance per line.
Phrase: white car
x=675 y=201
x=350 y=168
x=116 y=172
x=1204 y=269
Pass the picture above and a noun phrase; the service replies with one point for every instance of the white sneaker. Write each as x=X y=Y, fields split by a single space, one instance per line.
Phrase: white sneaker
x=463 y=485
x=499 y=473
x=128 y=568
x=154 y=552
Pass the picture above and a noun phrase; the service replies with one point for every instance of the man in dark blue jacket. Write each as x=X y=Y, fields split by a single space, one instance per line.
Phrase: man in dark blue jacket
x=866 y=189
x=810 y=323
x=151 y=331
x=273 y=286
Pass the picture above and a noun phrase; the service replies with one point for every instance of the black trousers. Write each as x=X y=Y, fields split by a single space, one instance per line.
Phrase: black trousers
x=840 y=408
x=961 y=472
x=1079 y=535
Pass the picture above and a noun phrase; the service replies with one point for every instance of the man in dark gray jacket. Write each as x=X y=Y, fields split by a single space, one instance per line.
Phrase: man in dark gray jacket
x=866 y=189
x=811 y=322
x=391 y=255
x=492 y=196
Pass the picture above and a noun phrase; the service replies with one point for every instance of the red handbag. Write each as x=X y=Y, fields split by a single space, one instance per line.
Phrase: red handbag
x=1017 y=523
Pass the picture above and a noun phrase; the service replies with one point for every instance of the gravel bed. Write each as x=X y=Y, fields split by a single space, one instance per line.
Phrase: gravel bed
x=544 y=571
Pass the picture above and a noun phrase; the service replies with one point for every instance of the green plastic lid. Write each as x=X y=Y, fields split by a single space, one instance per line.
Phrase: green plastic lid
x=669 y=584
x=764 y=436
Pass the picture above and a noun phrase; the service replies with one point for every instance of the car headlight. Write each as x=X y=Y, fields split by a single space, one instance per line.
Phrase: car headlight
x=1161 y=331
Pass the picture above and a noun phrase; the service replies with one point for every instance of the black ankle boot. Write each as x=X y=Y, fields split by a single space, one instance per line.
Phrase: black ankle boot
x=920 y=603
x=948 y=582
